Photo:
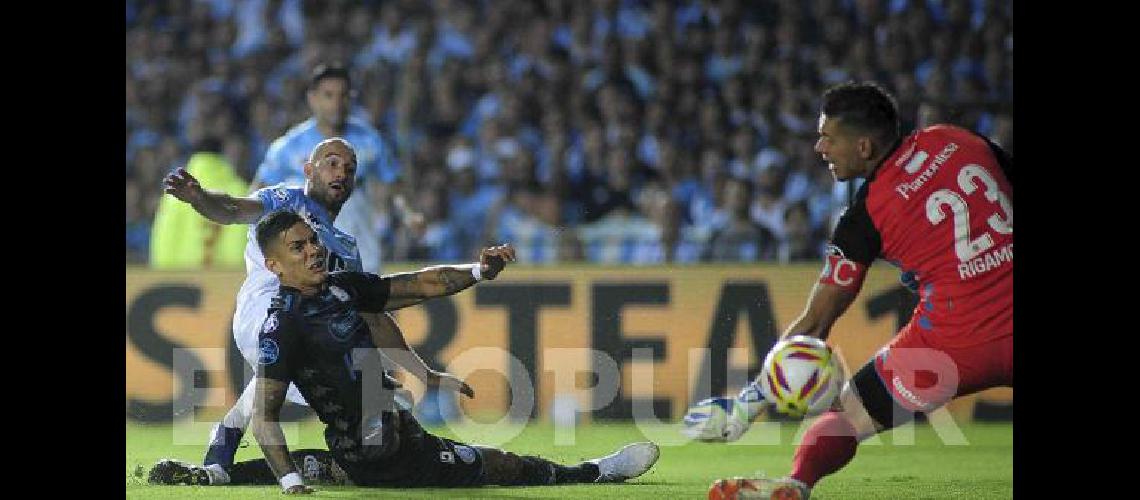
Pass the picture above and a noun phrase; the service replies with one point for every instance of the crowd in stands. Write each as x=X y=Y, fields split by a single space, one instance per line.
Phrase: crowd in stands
x=605 y=131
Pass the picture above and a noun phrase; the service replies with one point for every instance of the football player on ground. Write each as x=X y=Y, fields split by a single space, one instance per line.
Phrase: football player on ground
x=329 y=182
x=314 y=337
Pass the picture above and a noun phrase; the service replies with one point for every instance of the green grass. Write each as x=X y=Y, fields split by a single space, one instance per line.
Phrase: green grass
x=913 y=464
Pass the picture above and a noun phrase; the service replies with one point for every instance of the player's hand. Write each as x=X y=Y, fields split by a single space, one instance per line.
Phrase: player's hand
x=493 y=259
x=444 y=380
x=728 y=428
x=183 y=186
x=299 y=489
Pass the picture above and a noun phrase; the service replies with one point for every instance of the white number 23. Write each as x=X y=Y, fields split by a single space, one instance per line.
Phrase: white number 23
x=964 y=246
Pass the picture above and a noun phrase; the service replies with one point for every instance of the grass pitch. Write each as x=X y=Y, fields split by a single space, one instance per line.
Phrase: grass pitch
x=974 y=461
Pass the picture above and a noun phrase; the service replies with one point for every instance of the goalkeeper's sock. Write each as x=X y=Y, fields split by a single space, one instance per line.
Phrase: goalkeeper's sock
x=827 y=446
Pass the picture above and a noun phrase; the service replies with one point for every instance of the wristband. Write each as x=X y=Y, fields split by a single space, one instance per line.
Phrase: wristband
x=290 y=480
x=477 y=272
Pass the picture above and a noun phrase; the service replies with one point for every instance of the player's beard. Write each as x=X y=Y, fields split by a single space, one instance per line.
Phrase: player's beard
x=331 y=201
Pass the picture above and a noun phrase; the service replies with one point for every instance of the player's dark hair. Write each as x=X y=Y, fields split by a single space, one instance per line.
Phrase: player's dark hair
x=328 y=70
x=275 y=223
x=864 y=107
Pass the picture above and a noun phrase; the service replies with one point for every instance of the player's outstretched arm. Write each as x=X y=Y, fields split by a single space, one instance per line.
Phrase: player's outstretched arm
x=438 y=281
x=270 y=395
x=214 y=205
x=827 y=303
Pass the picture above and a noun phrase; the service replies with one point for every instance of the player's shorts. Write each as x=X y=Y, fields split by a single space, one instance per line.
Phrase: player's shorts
x=248 y=320
x=922 y=376
x=421 y=459
x=249 y=317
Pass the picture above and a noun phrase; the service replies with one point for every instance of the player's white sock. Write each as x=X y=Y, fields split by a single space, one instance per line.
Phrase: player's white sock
x=239 y=415
x=218 y=475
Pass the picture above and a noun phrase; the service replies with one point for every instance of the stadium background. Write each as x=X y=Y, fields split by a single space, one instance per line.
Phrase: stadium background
x=652 y=161
x=604 y=131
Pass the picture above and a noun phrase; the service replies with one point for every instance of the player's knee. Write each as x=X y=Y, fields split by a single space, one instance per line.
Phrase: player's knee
x=869 y=405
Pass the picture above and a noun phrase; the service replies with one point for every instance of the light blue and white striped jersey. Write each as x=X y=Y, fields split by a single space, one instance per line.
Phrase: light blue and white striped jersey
x=285 y=163
x=285 y=160
x=342 y=252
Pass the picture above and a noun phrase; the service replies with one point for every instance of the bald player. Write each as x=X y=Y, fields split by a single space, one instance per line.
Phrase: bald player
x=329 y=181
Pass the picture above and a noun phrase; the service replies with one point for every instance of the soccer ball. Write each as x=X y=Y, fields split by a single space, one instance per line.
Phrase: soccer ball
x=801 y=376
x=715 y=419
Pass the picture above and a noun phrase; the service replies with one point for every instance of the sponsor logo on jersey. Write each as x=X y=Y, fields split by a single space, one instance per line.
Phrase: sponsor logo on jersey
x=342 y=325
x=267 y=352
x=446 y=457
x=466 y=453
x=915 y=163
x=905 y=393
x=270 y=323
x=339 y=293
x=905 y=189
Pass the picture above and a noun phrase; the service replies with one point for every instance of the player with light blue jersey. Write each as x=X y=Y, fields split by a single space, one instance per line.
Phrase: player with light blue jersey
x=328 y=98
x=290 y=151
x=329 y=182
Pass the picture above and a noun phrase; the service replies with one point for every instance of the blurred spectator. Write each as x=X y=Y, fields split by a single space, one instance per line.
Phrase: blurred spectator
x=768 y=203
x=528 y=218
x=468 y=201
x=800 y=242
x=601 y=105
x=181 y=238
x=736 y=238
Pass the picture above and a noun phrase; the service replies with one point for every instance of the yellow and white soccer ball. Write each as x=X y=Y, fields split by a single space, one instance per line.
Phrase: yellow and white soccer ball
x=801 y=376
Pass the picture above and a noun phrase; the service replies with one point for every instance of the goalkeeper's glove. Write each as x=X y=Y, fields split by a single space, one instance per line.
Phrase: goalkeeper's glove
x=741 y=411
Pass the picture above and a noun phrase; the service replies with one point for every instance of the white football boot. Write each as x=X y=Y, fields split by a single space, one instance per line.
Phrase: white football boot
x=627 y=463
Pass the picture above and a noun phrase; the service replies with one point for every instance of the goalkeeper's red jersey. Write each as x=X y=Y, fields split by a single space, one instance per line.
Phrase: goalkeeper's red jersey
x=941 y=206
